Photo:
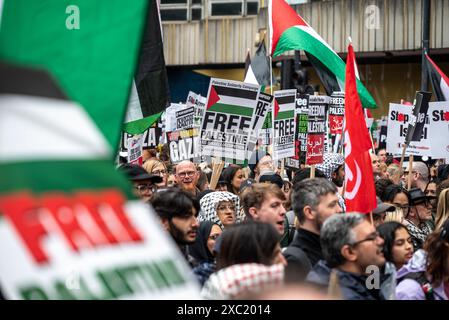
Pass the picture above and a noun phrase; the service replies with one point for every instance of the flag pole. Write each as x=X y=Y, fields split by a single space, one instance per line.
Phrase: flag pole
x=410 y=167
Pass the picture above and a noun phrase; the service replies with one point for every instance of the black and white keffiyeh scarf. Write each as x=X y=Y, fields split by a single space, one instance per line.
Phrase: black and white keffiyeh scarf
x=209 y=205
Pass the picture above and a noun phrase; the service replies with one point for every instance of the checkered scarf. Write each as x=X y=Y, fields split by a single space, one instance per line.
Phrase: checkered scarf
x=418 y=234
x=230 y=282
x=331 y=162
x=209 y=205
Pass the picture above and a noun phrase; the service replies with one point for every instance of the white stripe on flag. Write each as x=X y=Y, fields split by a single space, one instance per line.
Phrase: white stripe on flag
x=134 y=111
x=1 y=12
x=250 y=76
x=444 y=89
x=36 y=128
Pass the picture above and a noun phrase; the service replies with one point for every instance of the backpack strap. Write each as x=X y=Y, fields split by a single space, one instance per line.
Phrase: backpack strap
x=420 y=277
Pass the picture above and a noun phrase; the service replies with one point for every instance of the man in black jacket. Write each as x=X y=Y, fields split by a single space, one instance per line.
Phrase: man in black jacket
x=313 y=201
x=352 y=248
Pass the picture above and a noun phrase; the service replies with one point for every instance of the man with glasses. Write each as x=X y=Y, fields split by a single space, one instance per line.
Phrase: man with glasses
x=418 y=217
x=144 y=184
x=187 y=177
x=420 y=175
x=352 y=247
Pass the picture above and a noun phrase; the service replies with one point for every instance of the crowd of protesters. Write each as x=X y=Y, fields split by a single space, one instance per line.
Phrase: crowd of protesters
x=264 y=227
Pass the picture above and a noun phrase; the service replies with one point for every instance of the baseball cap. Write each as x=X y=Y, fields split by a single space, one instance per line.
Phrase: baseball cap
x=135 y=172
x=383 y=207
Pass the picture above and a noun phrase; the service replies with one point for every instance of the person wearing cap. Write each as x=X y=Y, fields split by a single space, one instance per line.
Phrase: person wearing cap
x=426 y=275
x=380 y=212
x=144 y=184
x=417 y=217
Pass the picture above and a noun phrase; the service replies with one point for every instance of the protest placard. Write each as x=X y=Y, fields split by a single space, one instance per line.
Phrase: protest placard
x=399 y=117
x=227 y=120
x=264 y=104
x=266 y=133
x=184 y=145
x=135 y=150
x=439 y=129
x=284 y=124
x=316 y=129
x=170 y=116
x=150 y=138
x=302 y=115
x=199 y=104
x=336 y=112
x=184 y=118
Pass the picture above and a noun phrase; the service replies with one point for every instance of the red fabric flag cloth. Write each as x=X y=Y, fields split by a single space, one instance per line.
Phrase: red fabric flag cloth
x=360 y=194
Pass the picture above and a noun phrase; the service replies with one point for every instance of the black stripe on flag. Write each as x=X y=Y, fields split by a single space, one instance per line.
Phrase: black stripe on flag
x=436 y=79
x=236 y=93
x=286 y=99
x=31 y=82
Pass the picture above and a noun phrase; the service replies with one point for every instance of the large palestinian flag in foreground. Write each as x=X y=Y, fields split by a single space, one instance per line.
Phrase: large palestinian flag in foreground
x=288 y=31
x=69 y=225
x=440 y=82
x=93 y=64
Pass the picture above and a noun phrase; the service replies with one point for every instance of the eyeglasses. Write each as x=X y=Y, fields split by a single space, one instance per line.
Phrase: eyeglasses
x=372 y=237
x=214 y=236
x=145 y=187
x=223 y=207
x=185 y=174
x=159 y=172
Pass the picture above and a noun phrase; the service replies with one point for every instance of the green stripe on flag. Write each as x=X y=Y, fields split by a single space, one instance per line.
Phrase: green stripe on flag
x=94 y=65
x=232 y=109
x=139 y=126
x=61 y=176
x=285 y=115
x=295 y=38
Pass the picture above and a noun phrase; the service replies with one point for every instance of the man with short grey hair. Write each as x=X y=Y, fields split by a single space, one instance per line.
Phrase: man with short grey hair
x=187 y=176
x=420 y=175
x=313 y=201
x=352 y=246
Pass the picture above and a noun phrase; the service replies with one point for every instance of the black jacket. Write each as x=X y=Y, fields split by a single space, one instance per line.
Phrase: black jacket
x=352 y=286
x=309 y=243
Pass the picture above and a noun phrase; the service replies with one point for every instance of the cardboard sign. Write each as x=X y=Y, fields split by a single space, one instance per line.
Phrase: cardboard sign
x=228 y=118
x=336 y=112
x=135 y=150
x=170 y=116
x=263 y=106
x=284 y=124
x=184 y=145
x=199 y=104
x=417 y=121
x=184 y=118
x=316 y=129
x=302 y=116
x=87 y=245
x=434 y=138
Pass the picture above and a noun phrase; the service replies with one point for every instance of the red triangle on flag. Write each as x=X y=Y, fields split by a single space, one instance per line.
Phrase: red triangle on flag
x=276 y=108
x=213 y=97
x=282 y=17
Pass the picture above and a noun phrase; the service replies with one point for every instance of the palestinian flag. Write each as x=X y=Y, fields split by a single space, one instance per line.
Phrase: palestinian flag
x=257 y=69
x=440 y=82
x=224 y=97
x=288 y=31
x=94 y=64
x=150 y=91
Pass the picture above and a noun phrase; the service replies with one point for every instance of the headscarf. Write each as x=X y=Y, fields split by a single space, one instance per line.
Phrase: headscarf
x=209 y=204
x=199 y=249
x=331 y=162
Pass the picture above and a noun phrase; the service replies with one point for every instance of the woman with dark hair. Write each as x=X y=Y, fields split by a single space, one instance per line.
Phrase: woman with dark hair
x=249 y=242
x=203 y=250
x=426 y=275
x=398 y=196
x=249 y=259
x=398 y=246
x=233 y=175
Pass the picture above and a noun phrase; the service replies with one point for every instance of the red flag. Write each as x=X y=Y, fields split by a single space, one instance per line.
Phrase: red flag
x=360 y=194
